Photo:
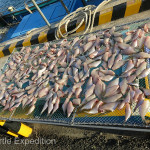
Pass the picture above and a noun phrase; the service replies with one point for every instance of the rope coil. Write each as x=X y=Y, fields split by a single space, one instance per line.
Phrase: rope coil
x=83 y=12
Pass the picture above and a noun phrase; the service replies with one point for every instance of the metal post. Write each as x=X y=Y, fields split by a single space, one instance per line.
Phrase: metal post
x=84 y=3
x=37 y=7
x=63 y=4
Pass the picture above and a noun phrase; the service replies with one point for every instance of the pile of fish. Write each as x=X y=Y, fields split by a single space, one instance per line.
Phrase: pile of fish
x=83 y=71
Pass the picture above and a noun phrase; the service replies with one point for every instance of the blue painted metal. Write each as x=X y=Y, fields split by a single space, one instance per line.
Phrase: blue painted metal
x=94 y=2
x=54 y=12
x=20 y=7
x=9 y=33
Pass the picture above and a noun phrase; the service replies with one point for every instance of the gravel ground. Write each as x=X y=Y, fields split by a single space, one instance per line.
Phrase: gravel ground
x=56 y=137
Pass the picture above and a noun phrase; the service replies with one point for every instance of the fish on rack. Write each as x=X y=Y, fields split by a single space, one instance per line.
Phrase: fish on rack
x=83 y=71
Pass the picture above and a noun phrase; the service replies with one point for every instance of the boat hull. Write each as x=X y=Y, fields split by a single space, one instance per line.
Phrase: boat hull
x=18 y=14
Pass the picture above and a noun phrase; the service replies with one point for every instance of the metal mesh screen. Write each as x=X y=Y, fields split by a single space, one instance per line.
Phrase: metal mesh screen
x=118 y=116
x=111 y=118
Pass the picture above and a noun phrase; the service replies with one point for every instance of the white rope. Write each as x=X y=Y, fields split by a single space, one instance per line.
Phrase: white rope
x=95 y=11
x=28 y=32
x=82 y=12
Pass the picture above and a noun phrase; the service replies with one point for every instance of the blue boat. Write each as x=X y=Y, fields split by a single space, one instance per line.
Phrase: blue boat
x=13 y=14
x=54 y=12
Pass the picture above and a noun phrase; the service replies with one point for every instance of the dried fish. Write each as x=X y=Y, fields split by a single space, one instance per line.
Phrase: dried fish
x=123 y=86
x=111 y=91
x=112 y=98
x=114 y=82
x=108 y=107
x=143 y=109
x=90 y=91
x=95 y=110
x=43 y=92
x=76 y=101
x=127 y=112
x=85 y=71
x=89 y=105
x=70 y=109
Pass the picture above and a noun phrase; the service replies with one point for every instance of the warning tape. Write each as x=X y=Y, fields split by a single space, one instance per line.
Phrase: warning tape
x=107 y=15
x=16 y=127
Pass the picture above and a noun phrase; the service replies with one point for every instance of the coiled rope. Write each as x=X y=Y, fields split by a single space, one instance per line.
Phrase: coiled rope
x=83 y=12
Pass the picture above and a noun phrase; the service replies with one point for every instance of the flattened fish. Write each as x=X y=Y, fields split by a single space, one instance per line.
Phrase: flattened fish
x=123 y=86
x=127 y=112
x=90 y=91
x=70 y=109
x=94 y=110
x=110 y=91
x=89 y=105
x=109 y=107
x=112 y=98
x=114 y=82
x=143 y=109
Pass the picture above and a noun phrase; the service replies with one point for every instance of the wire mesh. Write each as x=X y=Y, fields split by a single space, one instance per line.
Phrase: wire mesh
x=110 y=118
x=118 y=116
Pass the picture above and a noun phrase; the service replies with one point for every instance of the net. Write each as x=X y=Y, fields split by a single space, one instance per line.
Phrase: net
x=78 y=117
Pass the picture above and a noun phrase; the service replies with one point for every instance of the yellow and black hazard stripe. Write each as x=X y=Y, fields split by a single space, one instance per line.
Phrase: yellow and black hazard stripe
x=107 y=15
x=17 y=127
x=7 y=131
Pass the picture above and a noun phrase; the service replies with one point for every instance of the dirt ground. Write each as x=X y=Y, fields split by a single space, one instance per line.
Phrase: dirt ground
x=64 y=138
